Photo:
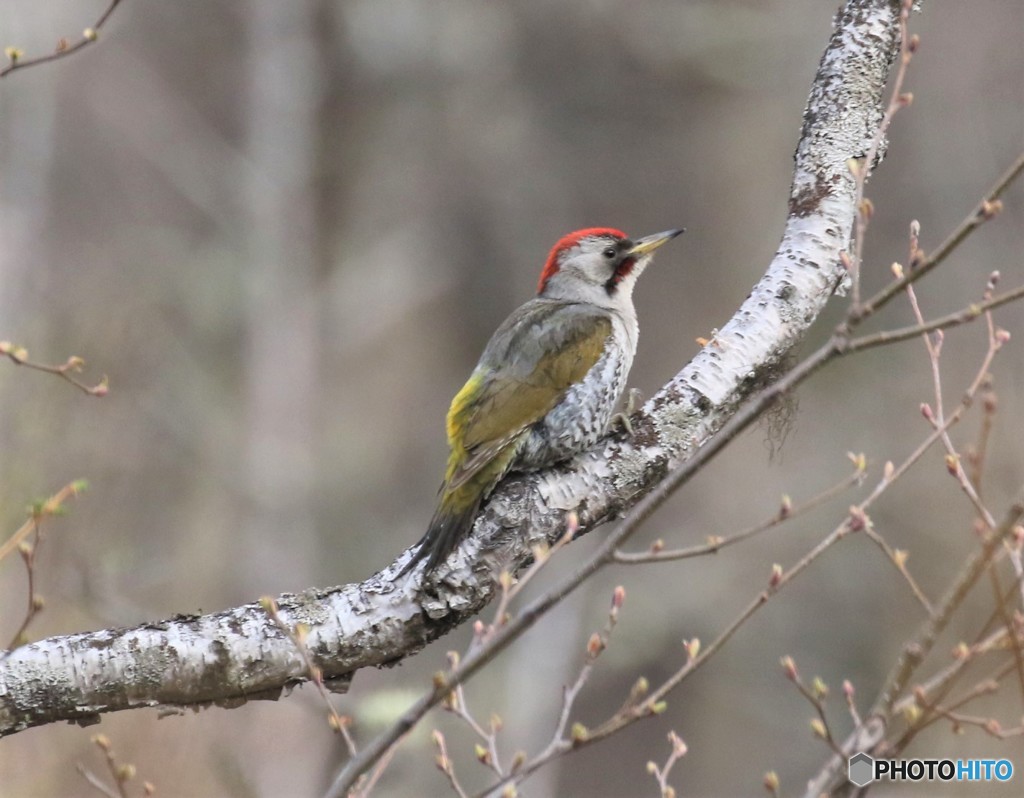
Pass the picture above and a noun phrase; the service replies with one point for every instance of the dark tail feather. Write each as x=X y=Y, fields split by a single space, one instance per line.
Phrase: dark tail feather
x=448 y=528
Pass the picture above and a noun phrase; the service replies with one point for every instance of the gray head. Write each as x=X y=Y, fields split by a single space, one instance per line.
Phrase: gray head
x=599 y=265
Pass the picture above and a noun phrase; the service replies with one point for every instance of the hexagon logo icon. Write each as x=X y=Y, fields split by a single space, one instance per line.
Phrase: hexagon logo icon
x=861 y=769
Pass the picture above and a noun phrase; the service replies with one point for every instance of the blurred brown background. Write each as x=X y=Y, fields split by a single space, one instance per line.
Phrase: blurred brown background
x=286 y=230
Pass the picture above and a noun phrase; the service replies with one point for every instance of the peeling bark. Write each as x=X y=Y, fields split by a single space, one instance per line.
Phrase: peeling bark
x=232 y=656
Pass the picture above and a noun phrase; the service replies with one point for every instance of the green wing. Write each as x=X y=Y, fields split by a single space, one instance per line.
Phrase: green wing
x=526 y=369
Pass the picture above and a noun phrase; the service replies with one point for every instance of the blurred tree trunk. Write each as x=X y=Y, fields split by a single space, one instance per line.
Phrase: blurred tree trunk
x=282 y=309
x=27 y=129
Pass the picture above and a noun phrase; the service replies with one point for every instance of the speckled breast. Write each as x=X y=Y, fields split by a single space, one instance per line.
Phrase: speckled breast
x=582 y=417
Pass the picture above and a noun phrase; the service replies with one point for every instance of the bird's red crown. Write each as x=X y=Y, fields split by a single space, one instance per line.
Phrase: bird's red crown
x=568 y=242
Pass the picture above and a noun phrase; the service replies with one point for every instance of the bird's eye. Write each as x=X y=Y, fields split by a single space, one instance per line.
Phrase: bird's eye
x=609 y=253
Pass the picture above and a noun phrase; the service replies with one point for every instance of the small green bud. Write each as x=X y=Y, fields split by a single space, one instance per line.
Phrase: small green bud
x=640 y=688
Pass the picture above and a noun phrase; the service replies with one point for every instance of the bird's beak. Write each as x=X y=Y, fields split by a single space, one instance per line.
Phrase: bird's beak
x=647 y=244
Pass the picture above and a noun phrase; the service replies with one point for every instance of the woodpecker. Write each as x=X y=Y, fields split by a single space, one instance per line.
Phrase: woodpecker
x=548 y=381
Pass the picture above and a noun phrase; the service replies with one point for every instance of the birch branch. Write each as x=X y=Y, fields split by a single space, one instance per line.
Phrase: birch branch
x=239 y=654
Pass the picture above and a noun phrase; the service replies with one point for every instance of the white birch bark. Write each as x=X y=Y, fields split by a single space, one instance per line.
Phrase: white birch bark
x=231 y=656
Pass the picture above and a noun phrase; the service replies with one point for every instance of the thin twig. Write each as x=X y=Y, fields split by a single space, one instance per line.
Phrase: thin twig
x=661 y=774
x=936 y=417
x=713 y=545
x=953 y=460
x=120 y=773
x=371 y=782
x=921 y=643
x=511 y=586
x=39 y=511
x=456 y=704
x=987 y=209
x=898 y=558
x=35 y=603
x=95 y=781
x=64 y=48
x=52 y=506
x=968 y=314
x=298 y=637
x=74 y=364
x=446 y=766
x=897 y=100
x=914 y=652
x=940 y=686
x=990 y=726
x=979 y=456
x=816 y=698
x=654 y=704
x=595 y=646
x=1005 y=614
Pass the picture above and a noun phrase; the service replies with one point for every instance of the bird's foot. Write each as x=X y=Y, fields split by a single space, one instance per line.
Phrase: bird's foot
x=621 y=419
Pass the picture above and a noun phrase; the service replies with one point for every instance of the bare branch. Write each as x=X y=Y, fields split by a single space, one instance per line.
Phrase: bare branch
x=19 y=356
x=914 y=652
x=64 y=48
x=662 y=773
x=714 y=544
x=964 y=316
x=987 y=209
x=120 y=773
x=51 y=507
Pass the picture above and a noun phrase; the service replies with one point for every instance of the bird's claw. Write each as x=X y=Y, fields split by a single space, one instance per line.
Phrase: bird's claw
x=621 y=419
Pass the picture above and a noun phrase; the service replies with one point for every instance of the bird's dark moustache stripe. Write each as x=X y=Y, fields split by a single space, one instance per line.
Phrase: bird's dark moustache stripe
x=623 y=269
